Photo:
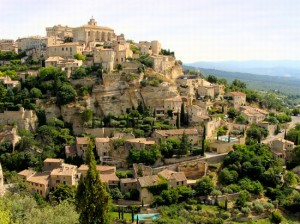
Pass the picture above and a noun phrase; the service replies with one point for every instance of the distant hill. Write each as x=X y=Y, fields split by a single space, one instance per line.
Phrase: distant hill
x=285 y=68
x=286 y=85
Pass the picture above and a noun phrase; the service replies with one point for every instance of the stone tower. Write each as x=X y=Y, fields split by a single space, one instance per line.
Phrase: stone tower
x=1 y=177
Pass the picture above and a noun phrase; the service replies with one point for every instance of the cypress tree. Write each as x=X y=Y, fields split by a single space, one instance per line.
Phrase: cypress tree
x=178 y=120
x=92 y=198
x=285 y=134
x=182 y=115
x=203 y=140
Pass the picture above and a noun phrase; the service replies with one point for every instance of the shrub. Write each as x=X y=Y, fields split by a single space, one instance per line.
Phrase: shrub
x=276 y=217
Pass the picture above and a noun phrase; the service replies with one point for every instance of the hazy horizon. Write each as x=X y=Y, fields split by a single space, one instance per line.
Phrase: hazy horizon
x=215 y=30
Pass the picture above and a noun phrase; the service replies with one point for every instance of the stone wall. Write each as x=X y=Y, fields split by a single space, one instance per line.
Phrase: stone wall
x=24 y=119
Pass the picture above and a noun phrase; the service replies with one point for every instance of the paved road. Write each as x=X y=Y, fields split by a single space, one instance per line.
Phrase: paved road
x=295 y=120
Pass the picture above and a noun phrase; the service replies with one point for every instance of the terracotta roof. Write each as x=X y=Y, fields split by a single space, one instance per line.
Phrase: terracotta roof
x=176 y=98
x=177 y=132
x=128 y=180
x=172 y=175
x=141 y=140
x=53 y=160
x=40 y=178
x=147 y=181
x=54 y=58
x=102 y=140
x=237 y=94
x=26 y=173
x=105 y=178
x=99 y=168
x=67 y=170
x=82 y=140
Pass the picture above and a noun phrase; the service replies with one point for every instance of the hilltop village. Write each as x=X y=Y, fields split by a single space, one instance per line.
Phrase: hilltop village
x=151 y=124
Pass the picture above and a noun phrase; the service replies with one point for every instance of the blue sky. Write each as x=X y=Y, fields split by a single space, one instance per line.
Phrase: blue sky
x=194 y=29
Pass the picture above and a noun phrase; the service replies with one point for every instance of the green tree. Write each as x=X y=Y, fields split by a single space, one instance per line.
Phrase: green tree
x=66 y=94
x=204 y=186
x=92 y=198
x=36 y=93
x=203 y=140
x=79 y=56
x=276 y=217
x=64 y=192
x=87 y=115
x=212 y=79
x=240 y=119
x=185 y=145
x=243 y=197
x=3 y=91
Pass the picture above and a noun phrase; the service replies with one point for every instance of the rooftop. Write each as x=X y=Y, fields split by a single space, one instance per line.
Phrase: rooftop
x=102 y=140
x=82 y=140
x=172 y=175
x=177 y=132
x=141 y=140
x=237 y=94
x=40 y=178
x=53 y=160
x=147 y=181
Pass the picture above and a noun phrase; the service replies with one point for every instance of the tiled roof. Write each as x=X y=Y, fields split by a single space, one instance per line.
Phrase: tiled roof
x=141 y=140
x=147 y=181
x=53 y=160
x=82 y=140
x=26 y=173
x=237 y=94
x=99 y=168
x=172 y=175
x=105 y=178
x=102 y=140
x=177 y=132
x=40 y=178
x=128 y=180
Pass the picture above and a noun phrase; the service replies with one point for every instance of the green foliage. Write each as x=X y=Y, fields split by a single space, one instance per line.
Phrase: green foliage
x=243 y=197
x=146 y=60
x=276 y=217
x=232 y=113
x=79 y=56
x=79 y=73
x=212 y=79
x=145 y=156
x=64 y=192
x=87 y=115
x=204 y=186
x=116 y=194
x=159 y=187
x=167 y=52
x=66 y=94
x=240 y=119
x=256 y=132
x=227 y=176
x=92 y=198
x=185 y=145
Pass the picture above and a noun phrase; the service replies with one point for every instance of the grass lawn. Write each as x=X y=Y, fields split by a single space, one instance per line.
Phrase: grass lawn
x=115 y=215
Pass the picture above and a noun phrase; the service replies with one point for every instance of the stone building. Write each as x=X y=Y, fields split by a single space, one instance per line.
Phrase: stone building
x=65 y=50
x=237 y=99
x=68 y=65
x=37 y=42
x=103 y=146
x=105 y=57
x=59 y=31
x=173 y=104
x=282 y=149
x=162 y=63
x=253 y=115
x=8 y=82
x=128 y=184
x=143 y=183
x=81 y=145
x=153 y=47
x=91 y=32
x=139 y=143
x=175 y=179
x=24 y=119
x=193 y=134
x=8 y=45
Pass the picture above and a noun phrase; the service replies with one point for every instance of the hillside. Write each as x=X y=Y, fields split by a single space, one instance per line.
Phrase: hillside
x=285 y=68
x=286 y=85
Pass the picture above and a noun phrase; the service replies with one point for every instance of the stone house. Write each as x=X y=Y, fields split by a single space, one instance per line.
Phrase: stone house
x=237 y=99
x=8 y=82
x=59 y=31
x=139 y=143
x=103 y=146
x=153 y=47
x=38 y=182
x=122 y=52
x=81 y=145
x=224 y=146
x=8 y=45
x=175 y=179
x=162 y=63
x=173 y=104
x=193 y=134
x=253 y=115
x=50 y=164
x=206 y=91
x=66 y=174
x=105 y=57
x=142 y=186
x=65 y=50
x=107 y=174
x=128 y=184
x=282 y=149
x=68 y=65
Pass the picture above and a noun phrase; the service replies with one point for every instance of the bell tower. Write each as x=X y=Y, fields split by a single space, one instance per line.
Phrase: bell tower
x=92 y=22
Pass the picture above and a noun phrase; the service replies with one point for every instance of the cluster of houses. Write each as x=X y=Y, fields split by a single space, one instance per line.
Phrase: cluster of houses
x=56 y=172
x=99 y=44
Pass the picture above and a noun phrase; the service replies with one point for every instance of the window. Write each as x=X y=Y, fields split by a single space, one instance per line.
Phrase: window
x=62 y=49
x=57 y=181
